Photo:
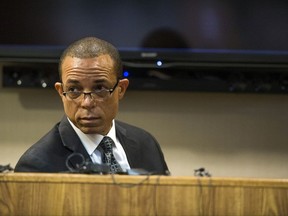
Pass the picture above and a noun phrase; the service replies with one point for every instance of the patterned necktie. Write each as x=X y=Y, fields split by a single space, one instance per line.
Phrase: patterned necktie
x=107 y=156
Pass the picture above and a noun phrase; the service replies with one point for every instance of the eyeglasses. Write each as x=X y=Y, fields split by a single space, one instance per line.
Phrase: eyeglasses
x=97 y=94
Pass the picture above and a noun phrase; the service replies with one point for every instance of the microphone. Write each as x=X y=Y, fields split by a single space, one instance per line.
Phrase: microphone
x=85 y=166
x=88 y=167
x=201 y=172
x=5 y=168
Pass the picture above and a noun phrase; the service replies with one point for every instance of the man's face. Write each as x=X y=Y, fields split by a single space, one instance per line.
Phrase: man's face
x=89 y=114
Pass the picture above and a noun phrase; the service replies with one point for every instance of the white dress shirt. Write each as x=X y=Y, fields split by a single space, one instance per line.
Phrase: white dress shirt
x=91 y=141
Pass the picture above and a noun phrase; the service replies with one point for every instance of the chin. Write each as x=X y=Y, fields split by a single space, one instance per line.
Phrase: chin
x=92 y=131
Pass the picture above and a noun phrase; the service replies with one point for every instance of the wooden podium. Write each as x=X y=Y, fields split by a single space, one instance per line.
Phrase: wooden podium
x=81 y=194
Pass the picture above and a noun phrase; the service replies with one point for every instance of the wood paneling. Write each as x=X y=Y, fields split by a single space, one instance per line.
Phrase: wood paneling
x=75 y=194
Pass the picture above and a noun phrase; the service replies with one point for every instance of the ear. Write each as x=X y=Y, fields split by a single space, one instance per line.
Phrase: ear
x=122 y=87
x=59 y=88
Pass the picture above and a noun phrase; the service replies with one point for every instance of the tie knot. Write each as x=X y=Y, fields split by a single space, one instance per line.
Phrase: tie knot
x=106 y=144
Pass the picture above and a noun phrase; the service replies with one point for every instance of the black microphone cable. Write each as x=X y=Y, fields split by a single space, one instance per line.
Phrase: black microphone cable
x=200 y=173
x=85 y=166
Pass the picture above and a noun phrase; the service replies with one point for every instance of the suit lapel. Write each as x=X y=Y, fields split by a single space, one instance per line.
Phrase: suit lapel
x=71 y=141
x=130 y=146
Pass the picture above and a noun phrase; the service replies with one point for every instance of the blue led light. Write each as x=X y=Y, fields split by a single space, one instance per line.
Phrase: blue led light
x=125 y=73
x=159 y=63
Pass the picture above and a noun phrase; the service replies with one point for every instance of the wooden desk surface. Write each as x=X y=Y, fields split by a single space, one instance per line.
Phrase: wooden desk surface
x=81 y=194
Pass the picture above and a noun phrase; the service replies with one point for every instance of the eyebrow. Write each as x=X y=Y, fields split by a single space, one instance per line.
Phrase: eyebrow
x=72 y=81
x=101 y=81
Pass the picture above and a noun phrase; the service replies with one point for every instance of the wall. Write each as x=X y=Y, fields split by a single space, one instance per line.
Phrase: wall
x=231 y=135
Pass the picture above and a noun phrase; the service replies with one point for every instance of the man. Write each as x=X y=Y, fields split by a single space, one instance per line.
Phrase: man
x=91 y=87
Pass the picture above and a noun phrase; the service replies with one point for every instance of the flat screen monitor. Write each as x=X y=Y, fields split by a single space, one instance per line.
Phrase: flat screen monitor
x=188 y=30
x=159 y=33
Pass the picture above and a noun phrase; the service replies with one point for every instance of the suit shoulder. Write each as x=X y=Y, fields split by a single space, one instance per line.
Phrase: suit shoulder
x=131 y=129
x=135 y=133
x=35 y=157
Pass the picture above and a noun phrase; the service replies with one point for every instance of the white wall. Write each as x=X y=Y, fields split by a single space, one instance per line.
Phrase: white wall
x=231 y=135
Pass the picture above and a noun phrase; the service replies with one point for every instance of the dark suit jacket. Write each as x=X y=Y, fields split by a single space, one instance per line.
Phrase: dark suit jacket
x=49 y=154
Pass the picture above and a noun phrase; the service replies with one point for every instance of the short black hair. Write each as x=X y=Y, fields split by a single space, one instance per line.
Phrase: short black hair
x=90 y=47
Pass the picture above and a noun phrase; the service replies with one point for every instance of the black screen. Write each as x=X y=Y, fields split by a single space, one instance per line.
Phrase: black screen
x=198 y=24
x=187 y=36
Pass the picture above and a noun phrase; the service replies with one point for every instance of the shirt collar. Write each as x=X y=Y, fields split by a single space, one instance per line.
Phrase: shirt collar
x=91 y=141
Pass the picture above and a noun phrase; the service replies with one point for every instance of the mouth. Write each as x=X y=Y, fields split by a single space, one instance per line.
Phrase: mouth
x=89 y=120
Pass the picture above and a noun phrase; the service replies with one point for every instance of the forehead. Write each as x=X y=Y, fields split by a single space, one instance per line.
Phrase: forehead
x=74 y=66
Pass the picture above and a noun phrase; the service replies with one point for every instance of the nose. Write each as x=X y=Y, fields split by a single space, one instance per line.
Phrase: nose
x=85 y=94
x=87 y=100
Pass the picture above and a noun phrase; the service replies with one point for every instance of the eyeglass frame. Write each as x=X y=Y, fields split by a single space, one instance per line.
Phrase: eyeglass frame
x=91 y=93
